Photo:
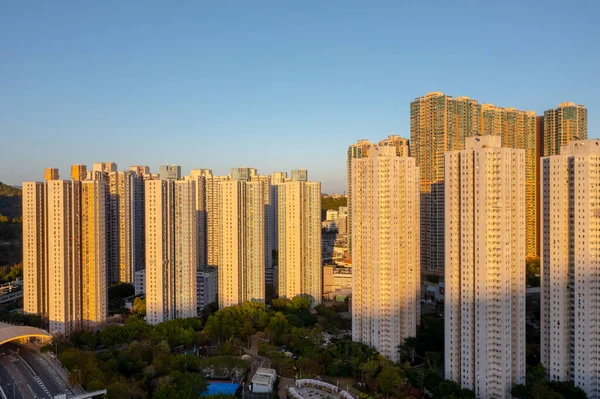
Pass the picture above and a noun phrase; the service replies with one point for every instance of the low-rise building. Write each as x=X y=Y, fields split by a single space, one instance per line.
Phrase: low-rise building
x=140 y=282
x=337 y=281
x=263 y=380
x=207 y=287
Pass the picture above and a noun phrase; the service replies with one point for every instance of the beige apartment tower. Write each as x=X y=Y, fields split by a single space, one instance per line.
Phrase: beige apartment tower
x=124 y=224
x=64 y=253
x=570 y=265
x=93 y=254
x=358 y=150
x=171 y=245
x=562 y=125
x=299 y=219
x=485 y=209
x=386 y=248
x=213 y=215
x=242 y=241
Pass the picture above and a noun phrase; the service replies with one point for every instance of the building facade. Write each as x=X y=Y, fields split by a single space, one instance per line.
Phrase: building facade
x=485 y=210
x=124 y=221
x=570 y=264
x=242 y=241
x=171 y=245
x=358 y=150
x=385 y=251
x=299 y=219
x=441 y=123
x=169 y=172
x=64 y=253
x=562 y=125
x=213 y=216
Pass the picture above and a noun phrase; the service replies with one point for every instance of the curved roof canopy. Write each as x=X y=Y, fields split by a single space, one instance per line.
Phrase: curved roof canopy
x=9 y=332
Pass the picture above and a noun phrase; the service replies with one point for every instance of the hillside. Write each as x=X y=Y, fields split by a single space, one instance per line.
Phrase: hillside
x=10 y=225
x=10 y=201
x=332 y=203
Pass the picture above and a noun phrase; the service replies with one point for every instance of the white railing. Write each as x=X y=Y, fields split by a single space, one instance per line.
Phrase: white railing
x=324 y=386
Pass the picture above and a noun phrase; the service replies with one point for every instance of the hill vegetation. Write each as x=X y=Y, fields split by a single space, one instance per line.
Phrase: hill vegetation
x=332 y=203
x=10 y=225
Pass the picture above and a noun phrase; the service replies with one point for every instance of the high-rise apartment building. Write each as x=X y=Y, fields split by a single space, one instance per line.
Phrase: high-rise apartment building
x=64 y=253
x=438 y=124
x=570 y=264
x=35 y=265
x=517 y=129
x=124 y=222
x=441 y=123
x=78 y=172
x=485 y=209
x=562 y=125
x=213 y=198
x=270 y=217
x=50 y=174
x=242 y=241
x=93 y=305
x=400 y=143
x=171 y=245
x=198 y=175
x=169 y=172
x=299 y=220
x=386 y=249
x=358 y=150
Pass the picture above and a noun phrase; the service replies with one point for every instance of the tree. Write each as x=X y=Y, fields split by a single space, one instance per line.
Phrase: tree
x=390 y=379
x=368 y=371
x=181 y=385
x=432 y=359
x=408 y=349
x=533 y=271
x=114 y=335
x=139 y=306
x=120 y=290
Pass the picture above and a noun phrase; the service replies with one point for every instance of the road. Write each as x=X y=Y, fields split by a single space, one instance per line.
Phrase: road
x=23 y=376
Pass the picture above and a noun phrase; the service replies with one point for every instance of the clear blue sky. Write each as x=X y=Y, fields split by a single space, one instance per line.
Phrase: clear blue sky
x=272 y=85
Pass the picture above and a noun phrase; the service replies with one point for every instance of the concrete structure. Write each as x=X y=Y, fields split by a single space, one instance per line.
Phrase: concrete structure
x=242 y=241
x=263 y=380
x=385 y=252
x=169 y=172
x=171 y=244
x=342 y=222
x=140 y=282
x=299 y=219
x=485 y=267
x=441 y=123
x=562 y=125
x=570 y=265
x=207 y=287
x=64 y=253
x=10 y=332
x=337 y=281
x=331 y=214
